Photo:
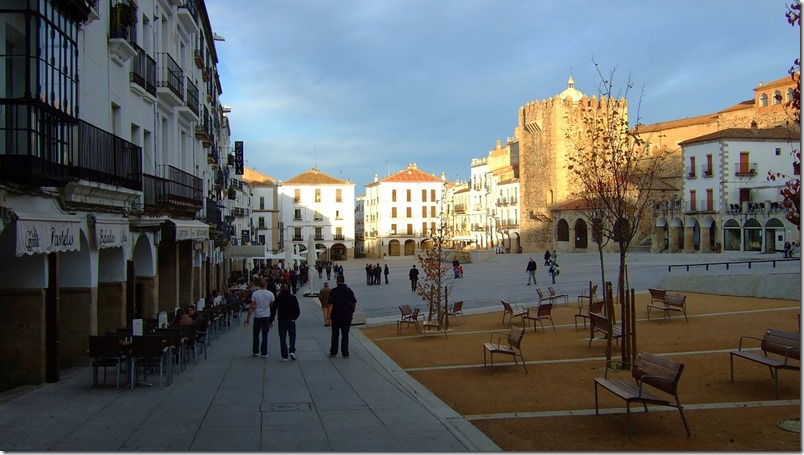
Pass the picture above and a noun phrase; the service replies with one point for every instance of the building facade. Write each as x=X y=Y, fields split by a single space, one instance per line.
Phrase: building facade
x=401 y=212
x=111 y=183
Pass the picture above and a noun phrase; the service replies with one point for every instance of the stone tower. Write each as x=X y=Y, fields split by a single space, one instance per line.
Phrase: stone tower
x=543 y=149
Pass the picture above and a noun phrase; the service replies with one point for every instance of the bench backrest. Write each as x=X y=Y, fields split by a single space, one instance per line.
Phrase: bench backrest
x=506 y=306
x=600 y=322
x=658 y=372
x=515 y=336
x=782 y=343
x=597 y=307
x=544 y=310
x=405 y=310
x=675 y=299
x=657 y=293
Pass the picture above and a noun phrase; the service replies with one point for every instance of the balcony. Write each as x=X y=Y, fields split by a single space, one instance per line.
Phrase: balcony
x=297 y=238
x=701 y=206
x=745 y=169
x=100 y=156
x=122 y=32
x=318 y=237
x=189 y=110
x=339 y=237
x=169 y=81
x=460 y=208
x=179 y=192
x=187 y=14
x=240 y=212
x=212 y=213
x=689 y=172
x=213 y=156
x=199 y=54
x=202 y=129
x=707 y=171
x=143 y=75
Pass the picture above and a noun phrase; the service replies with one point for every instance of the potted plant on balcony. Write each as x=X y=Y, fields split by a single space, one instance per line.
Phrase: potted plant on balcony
x=124 y=15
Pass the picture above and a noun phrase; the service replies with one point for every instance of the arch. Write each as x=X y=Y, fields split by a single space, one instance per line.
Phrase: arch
x=789 y=96
x=426 y=244
x=410 y=247
x=144 y=257
x=338 y=251
x=581 y=237
x=74 y=267
x=752 y=235
x=763 y=100
x=111 y=265
x=694 y=228
x=29 y=270
x=393 y=248
x=732 y=235
x=562 y=230
x=774 y=235
x=777 y=97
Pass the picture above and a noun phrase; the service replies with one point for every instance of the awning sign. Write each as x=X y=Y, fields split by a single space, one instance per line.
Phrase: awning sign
x=111 y=235
x=191 y=230
x=46 y=233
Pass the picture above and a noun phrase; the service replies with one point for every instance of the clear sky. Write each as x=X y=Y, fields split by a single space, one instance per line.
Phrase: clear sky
x=358 y=87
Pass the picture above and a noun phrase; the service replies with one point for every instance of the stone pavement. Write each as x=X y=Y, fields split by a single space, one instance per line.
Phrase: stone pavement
x=235 y=402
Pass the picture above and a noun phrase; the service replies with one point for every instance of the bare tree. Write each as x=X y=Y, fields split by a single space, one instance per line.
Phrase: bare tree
x=612 y=172
x=437 y=278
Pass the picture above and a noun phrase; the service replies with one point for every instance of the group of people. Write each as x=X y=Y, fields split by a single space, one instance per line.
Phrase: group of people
x=550 y=261
x=269 y=305
x=791 y=250
x=374 y=274
x=329 y=267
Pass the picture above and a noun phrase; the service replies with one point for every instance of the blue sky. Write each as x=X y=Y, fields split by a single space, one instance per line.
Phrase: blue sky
x=358 y=87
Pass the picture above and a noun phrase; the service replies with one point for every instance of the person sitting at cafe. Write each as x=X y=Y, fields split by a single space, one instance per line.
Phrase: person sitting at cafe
x=195 y=315
x=181 y=318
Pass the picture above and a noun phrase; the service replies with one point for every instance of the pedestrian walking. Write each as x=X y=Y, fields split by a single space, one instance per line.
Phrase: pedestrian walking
x=531 y=270
x=329 y=270
x=386 y=273
x=342 y=304
x=323 y=299
x=554 y=270
x=546 y=257
x=413 y=276
x=261 y=300
x=285 y=309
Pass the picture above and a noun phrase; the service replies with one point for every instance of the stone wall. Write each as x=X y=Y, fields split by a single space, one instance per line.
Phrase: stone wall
x=22 y=338
x=785 y=286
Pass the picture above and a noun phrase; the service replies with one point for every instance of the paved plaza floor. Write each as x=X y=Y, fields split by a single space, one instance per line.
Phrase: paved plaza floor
x=234 y=402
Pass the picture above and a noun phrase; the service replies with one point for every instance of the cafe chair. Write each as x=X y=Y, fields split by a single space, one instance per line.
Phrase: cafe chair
x=149 y=352
x=104 y=352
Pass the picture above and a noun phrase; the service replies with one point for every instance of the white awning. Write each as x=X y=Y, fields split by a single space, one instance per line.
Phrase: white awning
x=190 y=230
x=111 y=233
x=46 y=233
x=245 y=251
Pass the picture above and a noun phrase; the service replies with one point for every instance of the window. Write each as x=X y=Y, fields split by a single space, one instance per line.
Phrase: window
x=262 y=203
x=432 y=195
x=393 y=228
x=432 y=211
x=338 y=233
x=318 y=195
x=297 y=214
x=777 y=97
x=297 y=233
x=424 y=195
x=424 y=212
x=432 y=227
x=409 y=212
x=318 y=235
x=409 y=195
x=789 y=96
x=693 y=202
x=317 y=216
x=778 y=151
x=338 y=215
x=710 y=200
x=296 y=196
x=261 y=222
x=262 y=240
x=393 y=195
x=692 y=167
x=708 y=171
x=424 y=229
x=763 y=100
x=410 y=229
x=339 y=195
x=393 y=212
x=744 y=166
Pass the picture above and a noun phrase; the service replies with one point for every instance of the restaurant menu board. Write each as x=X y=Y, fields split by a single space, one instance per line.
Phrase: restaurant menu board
x=162 y=319
x=136 y=326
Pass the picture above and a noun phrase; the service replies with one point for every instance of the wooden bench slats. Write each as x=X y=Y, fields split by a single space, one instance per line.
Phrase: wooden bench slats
x=787 y=345
x=667 y=301
x=650 y=371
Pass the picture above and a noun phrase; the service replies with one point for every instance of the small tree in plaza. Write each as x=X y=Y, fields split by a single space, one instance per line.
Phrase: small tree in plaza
x=614 y=174
x=437 y=279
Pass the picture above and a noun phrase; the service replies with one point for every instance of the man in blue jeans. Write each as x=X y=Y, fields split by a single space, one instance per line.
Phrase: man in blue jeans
x=342 y=304
x=286 y=309
x=261 y=307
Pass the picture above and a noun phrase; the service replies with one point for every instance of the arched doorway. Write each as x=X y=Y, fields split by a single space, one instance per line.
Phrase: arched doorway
x=693 y=228
x=339 y=252
x=393 y=248
x=731 y=235
x=562 y=231
x=410 y=247
x=752 y=235
x=427 y=244
x=581 y=241
x=774 y=235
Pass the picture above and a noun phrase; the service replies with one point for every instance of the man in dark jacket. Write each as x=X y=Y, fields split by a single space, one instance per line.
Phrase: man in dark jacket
x=286 y=309
x=342 y=304
x=413 y=275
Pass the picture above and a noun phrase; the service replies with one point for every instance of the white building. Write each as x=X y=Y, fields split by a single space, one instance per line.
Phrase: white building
x=264 y=212
x=360 y=226
x=401 y=212
x=111 y=181
x=314 y=204
x=728 y=200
